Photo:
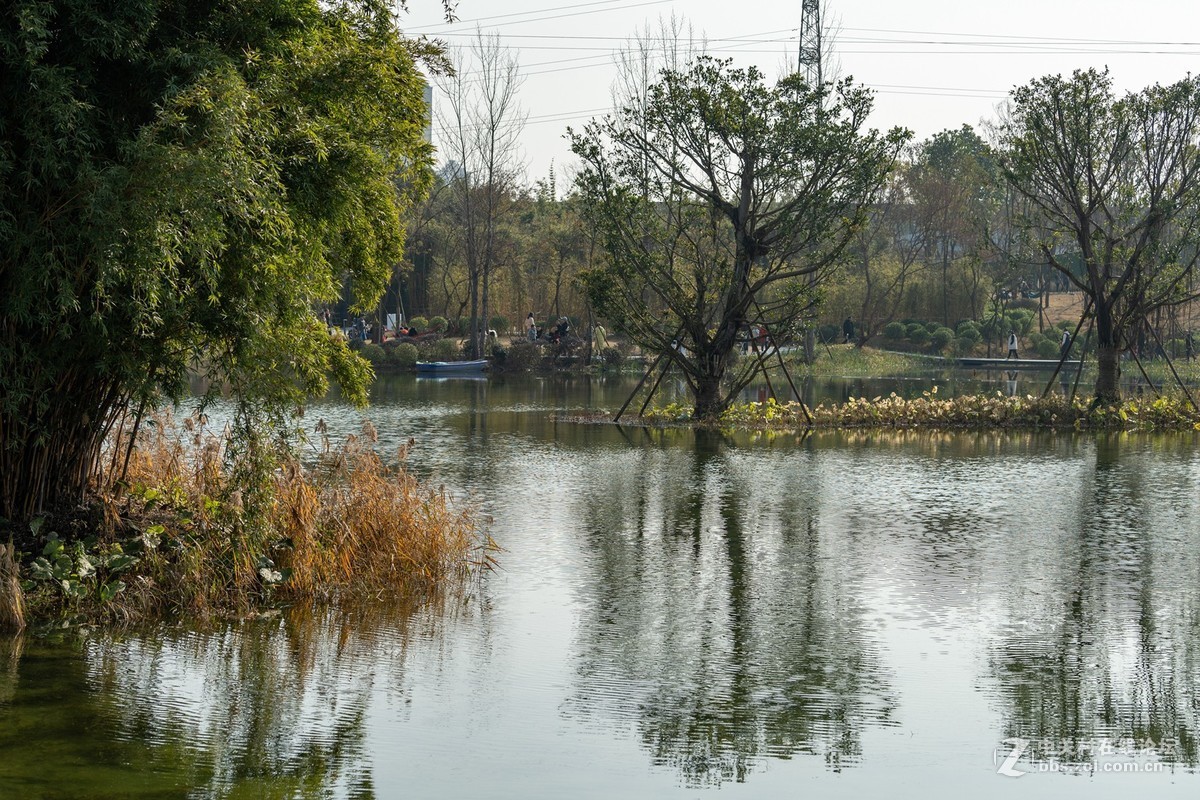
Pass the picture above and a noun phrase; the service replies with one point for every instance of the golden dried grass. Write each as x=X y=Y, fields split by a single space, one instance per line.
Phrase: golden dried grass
x=224 y=524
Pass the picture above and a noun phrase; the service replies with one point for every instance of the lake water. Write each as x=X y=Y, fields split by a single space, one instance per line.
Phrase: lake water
x=684 y=614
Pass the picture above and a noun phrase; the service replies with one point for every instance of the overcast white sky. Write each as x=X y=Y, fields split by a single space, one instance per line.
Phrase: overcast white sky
x=934 y=64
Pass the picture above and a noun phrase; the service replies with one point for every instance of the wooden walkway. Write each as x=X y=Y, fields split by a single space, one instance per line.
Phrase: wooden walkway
x=1013 y=364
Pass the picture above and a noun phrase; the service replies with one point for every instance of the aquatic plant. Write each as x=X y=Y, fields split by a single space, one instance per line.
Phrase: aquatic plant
x=205 y=523
x=965 y=411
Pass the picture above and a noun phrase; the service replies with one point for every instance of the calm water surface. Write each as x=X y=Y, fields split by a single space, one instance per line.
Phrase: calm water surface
x=684 y=614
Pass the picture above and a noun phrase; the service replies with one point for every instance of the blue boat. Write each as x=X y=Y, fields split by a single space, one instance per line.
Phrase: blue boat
x=451 y=367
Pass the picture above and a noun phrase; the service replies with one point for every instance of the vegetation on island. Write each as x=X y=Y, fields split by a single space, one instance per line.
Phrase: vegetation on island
x=719 y=200
x=181 y=186
x=980 y=411
x=217 y=523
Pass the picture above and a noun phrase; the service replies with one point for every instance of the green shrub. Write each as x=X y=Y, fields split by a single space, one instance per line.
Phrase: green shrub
x=438 y=324
x=919 y=335
x=420 y=323
x=963 y=345
x=439 y=350
x=829 y=334
x=499 y=324
x=894 y=331
x=940 y=338
x=522 y=356
x=405 y=354
x=912 y=328
x=614 y=358
x=930 y=327
x=1047 y=348
x=372 y=352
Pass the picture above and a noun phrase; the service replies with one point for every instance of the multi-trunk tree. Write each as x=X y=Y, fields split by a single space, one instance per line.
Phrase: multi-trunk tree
x=1114 y=182
x=715 y=199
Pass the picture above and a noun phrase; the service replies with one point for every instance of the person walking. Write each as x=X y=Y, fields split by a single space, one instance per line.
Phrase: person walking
x=1012 y=345
x=1064 y=346
x=847 y=331
x=599 y=339
x=531 y=327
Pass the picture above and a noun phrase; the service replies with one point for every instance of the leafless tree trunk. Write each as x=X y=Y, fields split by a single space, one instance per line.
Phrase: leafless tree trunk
x=481 y=124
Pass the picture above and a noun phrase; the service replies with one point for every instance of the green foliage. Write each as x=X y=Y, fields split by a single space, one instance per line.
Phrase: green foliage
x=829 y=333
x=612 y=357
x=440 y=350
x=981 y=411
x=913 y=329
x=522 y=356
x=941 y=338
x=499 y=324
x=405 y=354
x=894 y=331
x=79 y=570
x=422 y=325
x=1047 y=348
x=180 y=185
x=1072 y=146
x=372 y=352
x=714 y=196
x=918 y=335
x=438 y=324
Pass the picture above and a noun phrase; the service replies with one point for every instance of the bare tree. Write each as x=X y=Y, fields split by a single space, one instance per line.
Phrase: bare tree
x=480 y=125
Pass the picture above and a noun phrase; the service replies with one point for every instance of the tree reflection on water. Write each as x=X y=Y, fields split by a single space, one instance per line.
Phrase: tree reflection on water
x=1110 y=653
x=718 y=621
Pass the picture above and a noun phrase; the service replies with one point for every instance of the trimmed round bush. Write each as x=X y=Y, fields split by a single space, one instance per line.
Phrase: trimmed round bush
x=612 y=357
x=940 y=338
x=438 y=324
x=372 y=352
x=963 y=345
x=420 y=323
x=919 y=336
x=913 y=327
x=439 y=350
x=894 y=331
x=1046 y=348
x=932 y=326
x=969 y=332
x=522 y=356
x=405 y=354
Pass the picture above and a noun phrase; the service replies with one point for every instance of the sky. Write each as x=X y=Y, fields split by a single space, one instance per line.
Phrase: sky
x=933 y=64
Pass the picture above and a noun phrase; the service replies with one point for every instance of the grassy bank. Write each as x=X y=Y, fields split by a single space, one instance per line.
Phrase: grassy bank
x=204 y=524
x=964 y=412
x=848 y=361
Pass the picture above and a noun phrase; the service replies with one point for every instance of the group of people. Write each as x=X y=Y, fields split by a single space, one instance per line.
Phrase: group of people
x=555 y=335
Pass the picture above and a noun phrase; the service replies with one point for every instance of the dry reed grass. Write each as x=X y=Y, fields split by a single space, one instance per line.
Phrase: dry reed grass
x=12 y=599
x=214 y=523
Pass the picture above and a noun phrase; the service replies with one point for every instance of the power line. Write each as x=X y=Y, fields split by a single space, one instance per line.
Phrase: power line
x=541 y=19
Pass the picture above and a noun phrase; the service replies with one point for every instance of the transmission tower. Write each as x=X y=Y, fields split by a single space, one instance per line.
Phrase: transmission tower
x=810 y=43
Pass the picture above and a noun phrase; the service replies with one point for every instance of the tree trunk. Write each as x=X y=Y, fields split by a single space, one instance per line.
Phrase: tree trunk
x=48 y=456
x=709 y=400
x=1108 y=378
